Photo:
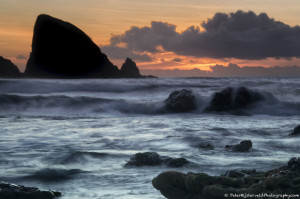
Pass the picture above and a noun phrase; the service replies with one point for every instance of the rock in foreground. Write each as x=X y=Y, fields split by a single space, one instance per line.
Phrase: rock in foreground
x=176 y=185
x=154 y=159
x=11 y=191
x=180 y=101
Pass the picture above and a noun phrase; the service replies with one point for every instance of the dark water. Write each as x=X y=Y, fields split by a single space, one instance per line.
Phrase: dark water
x=75 y=136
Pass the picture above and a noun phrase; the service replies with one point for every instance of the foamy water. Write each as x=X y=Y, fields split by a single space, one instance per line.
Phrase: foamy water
x=75 y=136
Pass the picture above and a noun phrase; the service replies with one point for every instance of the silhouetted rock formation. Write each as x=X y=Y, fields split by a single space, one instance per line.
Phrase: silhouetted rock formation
x=181 y=101
x=130 y=70
x=61 y=50
x=176 y=185
x=154 y=159
x=11 y=191
x=234 y=98
x=8 y=69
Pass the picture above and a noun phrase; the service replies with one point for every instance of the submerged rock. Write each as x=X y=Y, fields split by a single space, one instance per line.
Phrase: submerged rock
x=54 y=175
x=154 y=159
x=181 y=101
x=8 y=69
x=130 y=70
x=205 y=146
x=61 y=50
x=176 y=185
x=11 y=191
x=243 y=146
x=296 y=131
x=81 y=157
x=175 y=162
x=145 y=159
x=234 y=98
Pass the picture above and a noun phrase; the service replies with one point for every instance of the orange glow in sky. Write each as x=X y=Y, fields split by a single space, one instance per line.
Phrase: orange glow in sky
x=102 y=18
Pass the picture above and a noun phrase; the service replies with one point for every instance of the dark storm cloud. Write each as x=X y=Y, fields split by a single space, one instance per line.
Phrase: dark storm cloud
x=116 y=52
x=241 y=35
x=21 y=57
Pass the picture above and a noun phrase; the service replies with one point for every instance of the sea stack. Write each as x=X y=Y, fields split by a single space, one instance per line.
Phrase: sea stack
x=61 y=50
x=8 y=69
x=130 y=70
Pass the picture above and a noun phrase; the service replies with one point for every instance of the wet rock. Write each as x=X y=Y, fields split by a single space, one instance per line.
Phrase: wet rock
x=244 y=146
x=234 y=174
x=294 y=163
x=296 y=131
x=175 y=162
x=172 y=185
x=61 y=50
x=154 y=159
x=180 y=101
x=234 y=98
x=130 y=70
x=145 y=159
x=175 y=185
x=12 y=191
x=206 y=146
x=8 y=69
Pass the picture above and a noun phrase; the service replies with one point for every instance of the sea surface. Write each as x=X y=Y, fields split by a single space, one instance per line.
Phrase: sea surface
x=75 y=136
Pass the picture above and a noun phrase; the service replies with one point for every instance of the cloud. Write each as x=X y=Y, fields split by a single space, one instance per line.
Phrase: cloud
x=115 y=52
x=241 y=35
x=231 y=70
x=176 y=73
x=21 y=57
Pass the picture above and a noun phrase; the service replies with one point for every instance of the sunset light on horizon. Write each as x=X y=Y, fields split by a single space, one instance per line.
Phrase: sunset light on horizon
x=108 y=20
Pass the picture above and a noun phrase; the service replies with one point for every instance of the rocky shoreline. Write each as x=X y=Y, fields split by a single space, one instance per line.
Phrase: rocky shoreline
x=12 y=191
x=239 y=184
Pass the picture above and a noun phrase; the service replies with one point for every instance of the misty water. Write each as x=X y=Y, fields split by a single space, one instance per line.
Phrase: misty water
x=75 y=136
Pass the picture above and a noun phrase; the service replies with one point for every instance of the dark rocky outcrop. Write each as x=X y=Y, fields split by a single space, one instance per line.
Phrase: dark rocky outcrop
x=61 y=50
x=8 y=69
x=243 y=146
x=296 y=131
x=154 y=159
x=12 y=191
x=234 y=98
x=130 y=70
x=176 y=185
x=294 y=163
x=181 y=101
x=205 y=146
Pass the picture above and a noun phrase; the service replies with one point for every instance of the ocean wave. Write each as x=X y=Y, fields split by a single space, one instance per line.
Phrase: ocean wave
x=68 y=105
x=116 y=86
x=59 y=105
x=53 y=174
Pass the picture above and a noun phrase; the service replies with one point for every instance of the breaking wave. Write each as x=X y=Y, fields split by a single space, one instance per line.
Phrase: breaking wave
x=83 y=105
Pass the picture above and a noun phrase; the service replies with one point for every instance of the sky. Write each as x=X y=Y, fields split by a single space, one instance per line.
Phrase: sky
x=193 y=35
